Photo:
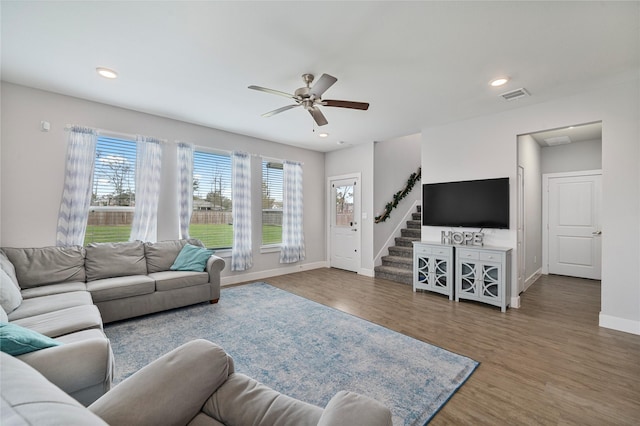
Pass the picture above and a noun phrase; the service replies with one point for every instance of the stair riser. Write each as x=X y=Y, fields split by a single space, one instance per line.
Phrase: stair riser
x=412 y=233
x=414 y=224
x=398 y=265
x=416 y=216
x=396 y=278
x=404 y=242
x=396 y=251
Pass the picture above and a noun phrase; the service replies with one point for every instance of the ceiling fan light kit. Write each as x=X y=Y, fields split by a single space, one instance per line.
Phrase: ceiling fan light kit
x=311 y=98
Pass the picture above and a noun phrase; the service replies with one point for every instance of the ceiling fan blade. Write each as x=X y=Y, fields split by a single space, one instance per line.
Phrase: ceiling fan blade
x=318 y=116
x=275 y=92
x=345 y=104
x=279 y=110
x=322 y=85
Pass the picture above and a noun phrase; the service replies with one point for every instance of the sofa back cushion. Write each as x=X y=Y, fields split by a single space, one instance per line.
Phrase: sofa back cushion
x=47 y=265
x=161 y=255
x=108 y=260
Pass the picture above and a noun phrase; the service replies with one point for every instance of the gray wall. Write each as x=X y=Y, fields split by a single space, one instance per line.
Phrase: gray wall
x=394 y=161
x=573 y=157
x=33 y=166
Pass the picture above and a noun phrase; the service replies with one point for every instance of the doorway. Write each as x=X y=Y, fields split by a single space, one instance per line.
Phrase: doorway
x=566 y=150
x=344 y=226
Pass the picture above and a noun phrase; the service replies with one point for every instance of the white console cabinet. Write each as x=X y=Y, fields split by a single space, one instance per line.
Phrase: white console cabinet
x=483 y=274
x=433 y=268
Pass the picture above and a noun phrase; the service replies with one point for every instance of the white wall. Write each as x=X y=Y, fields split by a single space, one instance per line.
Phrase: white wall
x=573 y=157
x=33 y=165
x=394 y=161
x=352 y=160
x=486 y=147
x=529 y=153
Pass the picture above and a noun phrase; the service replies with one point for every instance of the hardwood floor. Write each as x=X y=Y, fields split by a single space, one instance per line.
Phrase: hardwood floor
x=547 y=363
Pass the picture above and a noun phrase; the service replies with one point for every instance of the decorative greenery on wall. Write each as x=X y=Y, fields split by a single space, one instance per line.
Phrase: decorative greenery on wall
x=398 y=196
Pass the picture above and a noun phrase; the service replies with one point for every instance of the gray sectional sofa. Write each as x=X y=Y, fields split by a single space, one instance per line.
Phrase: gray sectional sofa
x=67 y=293
x=193 y=385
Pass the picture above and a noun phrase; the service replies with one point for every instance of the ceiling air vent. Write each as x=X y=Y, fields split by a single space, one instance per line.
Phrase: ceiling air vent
x=515 y=94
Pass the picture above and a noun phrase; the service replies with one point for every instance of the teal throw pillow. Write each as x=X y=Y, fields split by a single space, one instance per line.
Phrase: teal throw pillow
x=191 y=258
x=16 y=340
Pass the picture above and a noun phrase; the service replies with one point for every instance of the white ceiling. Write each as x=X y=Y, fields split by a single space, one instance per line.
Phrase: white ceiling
x=578 y=133
x=418 y=64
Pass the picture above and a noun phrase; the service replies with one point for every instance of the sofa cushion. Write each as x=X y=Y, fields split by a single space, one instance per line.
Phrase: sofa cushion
x=30 y=399
x=8 y=268
x=108 y=260
x=120 y=287
x=3 y=315
x=161 y=255
x=47 y=265
x=47 y=290
x=65 y=321
x=192 y=258
x=350 y=408
x=51 y=303
x=10 y=296
x=16 y=340
x=171 y=280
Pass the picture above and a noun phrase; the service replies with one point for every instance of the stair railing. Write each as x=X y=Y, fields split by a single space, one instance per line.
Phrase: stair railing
x=398 y=196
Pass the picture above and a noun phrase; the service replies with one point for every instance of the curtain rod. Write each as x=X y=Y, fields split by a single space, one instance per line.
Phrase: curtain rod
x=114 y=133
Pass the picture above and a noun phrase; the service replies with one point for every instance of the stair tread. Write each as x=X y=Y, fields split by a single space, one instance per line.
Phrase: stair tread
x=393 y=270
x=398 y=259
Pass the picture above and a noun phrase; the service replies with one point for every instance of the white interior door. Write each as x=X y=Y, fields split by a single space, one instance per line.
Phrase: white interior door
x=344 y=227
x=574 y=233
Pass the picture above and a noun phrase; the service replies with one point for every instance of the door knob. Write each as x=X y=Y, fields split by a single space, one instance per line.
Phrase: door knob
x=596 y=233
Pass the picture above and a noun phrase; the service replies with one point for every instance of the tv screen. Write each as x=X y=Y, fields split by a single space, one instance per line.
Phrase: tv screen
x=469 y=204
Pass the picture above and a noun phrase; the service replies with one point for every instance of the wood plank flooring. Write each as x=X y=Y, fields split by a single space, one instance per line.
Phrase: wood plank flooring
x=547 y=363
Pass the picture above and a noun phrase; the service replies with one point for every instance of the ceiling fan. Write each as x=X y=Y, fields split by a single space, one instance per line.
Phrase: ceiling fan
x=311 y=97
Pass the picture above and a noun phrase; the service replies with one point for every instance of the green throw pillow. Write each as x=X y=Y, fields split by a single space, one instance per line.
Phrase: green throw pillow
x=191 y=258
x=16 y=340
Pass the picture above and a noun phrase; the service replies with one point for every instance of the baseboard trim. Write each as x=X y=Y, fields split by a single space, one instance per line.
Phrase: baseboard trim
x=515 y=302
x=532 y=279
x=619 y=324
x=260 y=275
x=367 y=272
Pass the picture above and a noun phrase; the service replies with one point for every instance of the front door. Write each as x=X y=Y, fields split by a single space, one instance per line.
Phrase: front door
x=574 y=232
x=345 y=228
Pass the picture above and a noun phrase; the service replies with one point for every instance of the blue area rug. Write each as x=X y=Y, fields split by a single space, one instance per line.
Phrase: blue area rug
x=303 y=349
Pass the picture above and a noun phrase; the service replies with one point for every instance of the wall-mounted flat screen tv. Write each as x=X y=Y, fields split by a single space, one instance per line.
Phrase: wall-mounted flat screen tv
x=469 y=204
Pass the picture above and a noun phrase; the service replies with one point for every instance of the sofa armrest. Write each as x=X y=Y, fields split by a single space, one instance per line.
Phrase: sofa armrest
x=170 y=390
x=215 y=265
x=350 y=408
x=75 y=366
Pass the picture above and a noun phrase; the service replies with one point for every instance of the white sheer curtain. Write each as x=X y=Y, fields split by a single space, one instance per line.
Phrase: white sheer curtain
x=185 y=187
x=241 y=253
x=76 y=195
x=292 y=248
x=148 y=163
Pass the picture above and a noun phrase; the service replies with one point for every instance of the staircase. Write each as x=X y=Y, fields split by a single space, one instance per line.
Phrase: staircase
x=398 y=265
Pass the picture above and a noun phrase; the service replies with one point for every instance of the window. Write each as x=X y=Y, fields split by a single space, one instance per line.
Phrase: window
x=211 y=220
x=272 y=176
x=113 y=191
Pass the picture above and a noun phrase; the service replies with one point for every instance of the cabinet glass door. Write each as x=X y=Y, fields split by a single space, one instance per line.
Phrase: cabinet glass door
x=490 y=282
x=423 y=270
x=440 y=273
x=468 y=278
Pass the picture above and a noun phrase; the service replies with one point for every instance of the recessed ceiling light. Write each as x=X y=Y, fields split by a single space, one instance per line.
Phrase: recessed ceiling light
x=107 y=73
x=323 y=135
x=499 y=81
